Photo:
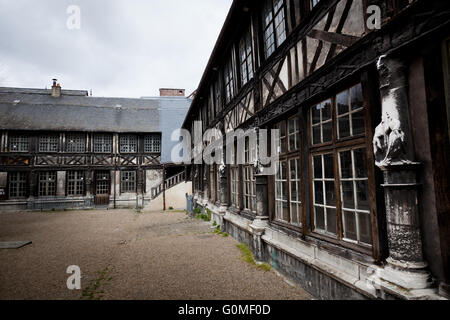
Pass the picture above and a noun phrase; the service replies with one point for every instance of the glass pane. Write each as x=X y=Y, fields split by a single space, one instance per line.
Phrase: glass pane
x=285 y=211
x=283 y=145
x=318 y=167
x=292 y=125
x=331 y=221
x=327 y=132
x=360 y=163
x=342 y=103
x=294 y=191
x=350 y=226
x=346 y=165
x=293 y=142
x=357 y=97
x=316 y=114
x=365 y=228
x=317 y=135
x=358 y=123
x=362 y=192
x=293 y=169
x=348 y=195
x=319 y=218
x=326 y=110
x=329 y=166
x=283 y=170
x=344 y=127
x=330 y=193
x=318 y=192
x=295 y=213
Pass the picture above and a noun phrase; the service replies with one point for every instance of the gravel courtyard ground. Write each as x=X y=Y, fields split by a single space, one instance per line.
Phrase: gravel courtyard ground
x=126 y=255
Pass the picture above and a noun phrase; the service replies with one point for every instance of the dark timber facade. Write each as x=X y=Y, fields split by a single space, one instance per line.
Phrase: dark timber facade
x=360 y=205
x=62 y=149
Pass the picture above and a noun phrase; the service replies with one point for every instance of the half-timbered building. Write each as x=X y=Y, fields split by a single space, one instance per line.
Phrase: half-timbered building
x=64 y=149
x=359 y=90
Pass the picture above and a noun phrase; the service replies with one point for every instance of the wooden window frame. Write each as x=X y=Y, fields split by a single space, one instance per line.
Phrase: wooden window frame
x=125 y=184
x=22 y=140
x=246 y=61
x=126 y=143
x=18 y=184
x=229 y=79
x=152 y=143
x=51 y=144
x=334 y=147
x=47 y=183
x=104 y=141
x=272 y=24
x=75 y=183
x=79 y=144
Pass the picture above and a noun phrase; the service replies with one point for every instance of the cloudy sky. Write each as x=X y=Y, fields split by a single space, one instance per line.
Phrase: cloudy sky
x=124 y=48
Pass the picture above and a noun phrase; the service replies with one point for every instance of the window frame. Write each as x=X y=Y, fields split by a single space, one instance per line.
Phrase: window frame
x=272 y=24
x=229 y=77
x=79 y=144
x=24 y=139
x=248 y=73
x=335 y=146
x=286 y=155
x=21 y=185
x=125 y=184
x=128 y=143
x=152 y=143
x=103 y=143
x=49 y=137
x=75 y=180
x=49 y=184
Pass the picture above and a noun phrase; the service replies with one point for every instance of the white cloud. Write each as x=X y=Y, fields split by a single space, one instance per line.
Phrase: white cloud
x=124 y=48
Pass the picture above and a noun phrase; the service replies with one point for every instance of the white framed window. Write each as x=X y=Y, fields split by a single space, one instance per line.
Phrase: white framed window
x=229 y=80
x=19 y=143
x=246 y=57
x=75 y=183
x=152 y=143
x=48 y=143
x=128 y=181
x=350 y=113
x=103 y=143
x=47 y=184
x=76 y=142
x=274 y=24
x=17 y=186
x=128 y=144
x=322 y=125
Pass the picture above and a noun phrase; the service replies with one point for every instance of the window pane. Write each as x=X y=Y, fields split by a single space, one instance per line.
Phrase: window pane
x=330 y=193
x=316 y=114
x=344 y=127
x=358 y=123
x=362 y=192
x=318 y=192
x=348 y=195
x=346 y=165
x=350 y=226
x=317 y=139
x=318 y=167
x=342 y=103
x=329 y=166
x=356 y=97
x=319 y=218
x=326 y=110
x=331 y=221
x=365 y=228
x=327 y=132
x=360 y=163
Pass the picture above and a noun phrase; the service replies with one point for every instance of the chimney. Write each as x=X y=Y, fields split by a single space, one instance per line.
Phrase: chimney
x=56 y=89
x=171 y=92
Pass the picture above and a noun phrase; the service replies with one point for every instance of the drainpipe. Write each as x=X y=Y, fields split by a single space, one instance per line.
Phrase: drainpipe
x=164 y=188
x=115 y=187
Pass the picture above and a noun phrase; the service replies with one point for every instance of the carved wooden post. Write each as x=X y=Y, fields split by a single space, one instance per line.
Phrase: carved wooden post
x=394 y=154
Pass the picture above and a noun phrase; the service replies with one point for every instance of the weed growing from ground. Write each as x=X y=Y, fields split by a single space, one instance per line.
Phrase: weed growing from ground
x=247 y=256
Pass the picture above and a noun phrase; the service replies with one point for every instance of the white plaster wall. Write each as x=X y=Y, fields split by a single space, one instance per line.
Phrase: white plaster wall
x=175 y=197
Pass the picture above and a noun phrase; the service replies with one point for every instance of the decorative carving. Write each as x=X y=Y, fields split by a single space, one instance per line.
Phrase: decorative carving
x=390 y=141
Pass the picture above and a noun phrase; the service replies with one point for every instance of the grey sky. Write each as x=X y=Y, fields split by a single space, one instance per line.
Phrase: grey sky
x=125 y=48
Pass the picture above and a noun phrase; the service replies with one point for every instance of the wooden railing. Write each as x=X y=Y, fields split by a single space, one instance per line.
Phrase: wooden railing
x=169 y=183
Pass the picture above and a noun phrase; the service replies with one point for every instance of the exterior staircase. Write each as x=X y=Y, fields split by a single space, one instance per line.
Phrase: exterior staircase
x=169 y=183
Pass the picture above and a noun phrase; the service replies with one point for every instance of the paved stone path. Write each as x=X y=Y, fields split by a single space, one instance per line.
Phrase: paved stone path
x=125 y=255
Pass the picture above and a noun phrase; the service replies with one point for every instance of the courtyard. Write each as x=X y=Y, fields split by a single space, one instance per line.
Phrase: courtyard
x=128 y=255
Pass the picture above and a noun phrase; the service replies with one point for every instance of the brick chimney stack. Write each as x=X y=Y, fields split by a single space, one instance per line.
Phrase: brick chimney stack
x=171 y=92
x=56 y=89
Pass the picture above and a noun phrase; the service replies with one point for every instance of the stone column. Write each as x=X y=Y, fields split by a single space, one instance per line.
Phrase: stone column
x=61 y=184
x=394 y=155
x=32 y=182
x=261 y=221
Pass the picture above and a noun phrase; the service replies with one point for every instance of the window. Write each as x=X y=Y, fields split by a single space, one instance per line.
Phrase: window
x=324 y=194
x=340 y=179
x=75 y=183
x=212 y=183
x=281 y=194
x=322 y=123
x=355 y=196
x=48 y=143
x=217 y=183
x=17 y=185
x=229 y=81
x=76 y=142
x=246 y=57
x=103 y=143
x=128 y=181
x=47 y=184
x=350 y=113
x=274 y=25
x=128 y=144
x=152 y=143
x=249 y=189
x=234 y=173
x=218 y=95
x=102 y=183
x=19 y=143
x=288 y=199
